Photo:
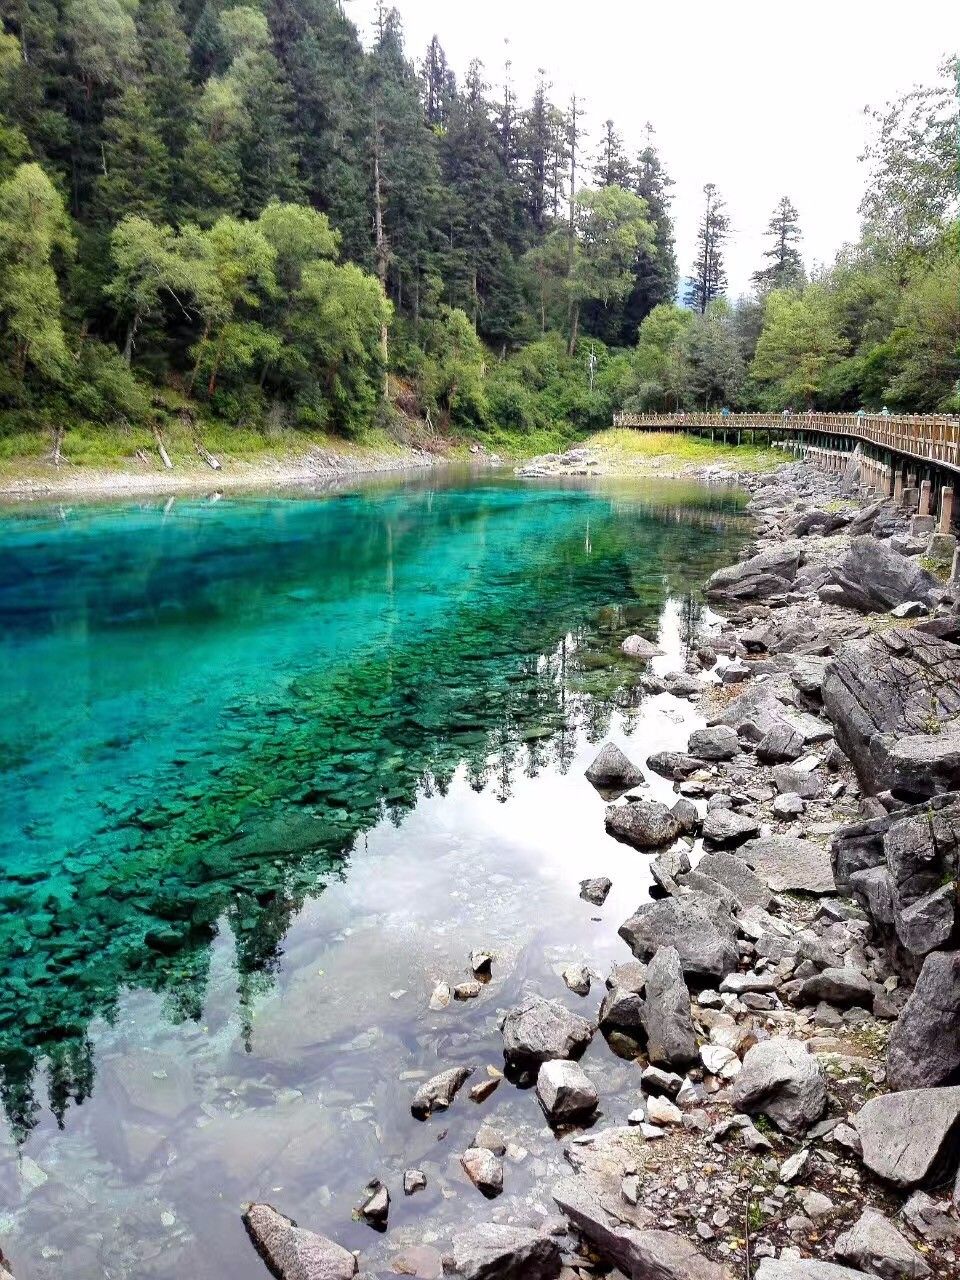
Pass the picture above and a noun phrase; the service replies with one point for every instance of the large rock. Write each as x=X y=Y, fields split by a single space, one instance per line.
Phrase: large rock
x=484 y=1169
x=622 y=1010
x=789 y=864
x=910 y=1137
x=838 y=986
x=769 y=573
x=539 y=1030
x=716 y=742
x=731 y=873
x=780 y=745
x=675 y=765
x=292 y=1253
x=612 y=771
x=924 y=1049
x=566 y=1092
x=784 y=1082
x=639 y=647
x=644 y=824
x=757 y=710
x=495 y=1251
x=896 y=685
x=874 y=578
x=439 y=1091
x=599 y=1213
x=803 y=1269
x=671 y=1039
x=875 y=1245
x=700 y=927
x=728 y=828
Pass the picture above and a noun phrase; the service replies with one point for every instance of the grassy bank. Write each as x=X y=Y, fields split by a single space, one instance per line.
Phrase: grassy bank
x=664 y=452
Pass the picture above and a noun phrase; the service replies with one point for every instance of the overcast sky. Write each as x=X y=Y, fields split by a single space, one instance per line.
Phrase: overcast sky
x=763 y=99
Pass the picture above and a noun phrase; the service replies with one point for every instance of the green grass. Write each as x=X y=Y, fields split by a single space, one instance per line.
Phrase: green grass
x=518 y=445
x=635 y=448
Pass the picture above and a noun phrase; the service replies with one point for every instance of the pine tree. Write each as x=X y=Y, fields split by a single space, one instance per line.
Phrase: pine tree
x=536 y=149
x=709 y=278
x=784 y=269
x=612 y=167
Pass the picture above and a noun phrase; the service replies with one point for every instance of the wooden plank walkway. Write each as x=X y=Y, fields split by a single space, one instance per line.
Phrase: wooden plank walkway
x=929 y=438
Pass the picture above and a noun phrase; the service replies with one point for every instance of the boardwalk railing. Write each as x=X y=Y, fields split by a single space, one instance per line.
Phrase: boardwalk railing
x=930 y=438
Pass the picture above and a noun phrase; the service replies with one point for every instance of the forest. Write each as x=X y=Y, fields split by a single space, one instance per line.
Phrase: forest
x=243 y=213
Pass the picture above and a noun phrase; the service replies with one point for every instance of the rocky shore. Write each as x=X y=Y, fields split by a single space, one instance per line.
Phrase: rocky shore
x=789 y=1000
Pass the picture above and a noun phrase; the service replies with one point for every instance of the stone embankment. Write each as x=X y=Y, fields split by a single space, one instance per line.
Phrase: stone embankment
x=792 y=1004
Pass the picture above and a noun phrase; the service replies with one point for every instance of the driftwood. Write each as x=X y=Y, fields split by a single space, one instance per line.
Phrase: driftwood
x=207 y=456
x=57 y=445
x=161 y=449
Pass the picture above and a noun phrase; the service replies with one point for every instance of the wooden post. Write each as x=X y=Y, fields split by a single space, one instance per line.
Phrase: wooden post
x=946 y=510
x=923 y=508
x=898 y=486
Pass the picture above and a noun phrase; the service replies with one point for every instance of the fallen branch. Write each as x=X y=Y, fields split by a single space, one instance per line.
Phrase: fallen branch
x=165 y=457
x=207 y=456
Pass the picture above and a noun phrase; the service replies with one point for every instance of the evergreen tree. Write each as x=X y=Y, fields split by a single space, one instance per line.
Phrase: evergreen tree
x=784 y=269
x=612 y=167
x=709 y=278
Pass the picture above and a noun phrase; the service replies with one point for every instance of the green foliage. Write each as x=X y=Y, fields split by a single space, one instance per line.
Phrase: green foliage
x=800 y=339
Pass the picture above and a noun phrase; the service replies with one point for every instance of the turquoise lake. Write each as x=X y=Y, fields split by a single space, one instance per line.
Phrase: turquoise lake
x=272 y=766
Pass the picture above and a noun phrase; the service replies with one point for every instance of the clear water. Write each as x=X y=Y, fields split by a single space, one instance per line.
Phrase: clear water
x=272 y=766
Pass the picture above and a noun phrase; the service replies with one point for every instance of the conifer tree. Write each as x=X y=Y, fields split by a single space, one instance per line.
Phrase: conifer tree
x=784 y=269
x=709 y=277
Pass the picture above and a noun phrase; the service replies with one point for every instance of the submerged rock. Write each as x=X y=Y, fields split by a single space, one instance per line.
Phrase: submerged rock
x=539 y=1030
x=495 y=1251
x=292 y=1253
x=484 y=1169
x=638 y=647
x=437 y=1093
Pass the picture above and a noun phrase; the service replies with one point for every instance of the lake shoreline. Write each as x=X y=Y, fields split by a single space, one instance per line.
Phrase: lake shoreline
x=790 y=1021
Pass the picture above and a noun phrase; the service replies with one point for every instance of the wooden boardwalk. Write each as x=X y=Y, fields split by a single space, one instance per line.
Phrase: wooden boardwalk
x=933 y=439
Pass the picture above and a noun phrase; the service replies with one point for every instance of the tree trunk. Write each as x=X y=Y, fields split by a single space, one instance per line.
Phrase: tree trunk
x=132 y=328
x=161 y=448
x=382 y=252
x=58 y=444
x=196 y=364
x=574 y=329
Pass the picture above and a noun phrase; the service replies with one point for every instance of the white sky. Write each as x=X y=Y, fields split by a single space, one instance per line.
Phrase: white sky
x=762 y=99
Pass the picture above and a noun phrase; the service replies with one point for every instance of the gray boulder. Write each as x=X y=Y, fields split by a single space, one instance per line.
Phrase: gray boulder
x=924 y=1049
x=872 y=577
x=910 y=1137
x=728 y=828
x=803 y=1269
x=612 y=771
x=924 y=763
x=844 y=987
x=539 y=1030
x=767 y=574
x=732 y=874
x=667 y=1020
x=644 y=824
x=889 y=687
x=638 y=647
x=780 y=745
x=875 y=1245
x=675 y=765
x=437 y=1093
x=292 y=1253
x=484 y=1169
x=622 y=1010
x=701 y=929
x=495 y=1251
x=716 y=742
x=788 y=864
x=566 y=1092
x=667 y=868
x=596 y=890
x=784 y=1082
